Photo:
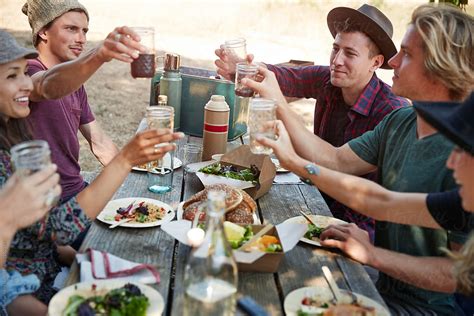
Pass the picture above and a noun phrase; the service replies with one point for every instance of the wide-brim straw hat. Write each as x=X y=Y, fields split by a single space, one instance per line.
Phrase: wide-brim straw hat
x=372 y=22
x=453 y=119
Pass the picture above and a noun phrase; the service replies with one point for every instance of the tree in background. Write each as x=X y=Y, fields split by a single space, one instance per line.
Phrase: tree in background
x=460 y=3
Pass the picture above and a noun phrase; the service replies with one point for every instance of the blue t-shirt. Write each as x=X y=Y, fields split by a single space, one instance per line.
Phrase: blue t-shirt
x=446 y=209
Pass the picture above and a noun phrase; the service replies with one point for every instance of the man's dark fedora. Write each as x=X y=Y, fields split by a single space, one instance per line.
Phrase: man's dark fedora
x=454 y=120
x=372 y=22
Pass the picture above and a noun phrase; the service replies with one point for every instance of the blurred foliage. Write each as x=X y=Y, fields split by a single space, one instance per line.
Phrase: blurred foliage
x=460 y=3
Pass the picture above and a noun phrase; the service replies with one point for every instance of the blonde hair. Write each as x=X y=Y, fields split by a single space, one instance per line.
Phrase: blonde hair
x=448 y=39
x=464 y=268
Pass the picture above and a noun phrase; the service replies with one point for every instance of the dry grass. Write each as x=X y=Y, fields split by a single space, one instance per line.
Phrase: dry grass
x=276 y=31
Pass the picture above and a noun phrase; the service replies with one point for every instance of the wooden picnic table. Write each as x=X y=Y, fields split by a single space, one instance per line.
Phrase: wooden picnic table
x=300 y=267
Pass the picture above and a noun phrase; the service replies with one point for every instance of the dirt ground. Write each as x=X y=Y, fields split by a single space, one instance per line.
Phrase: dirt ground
x=276 y=31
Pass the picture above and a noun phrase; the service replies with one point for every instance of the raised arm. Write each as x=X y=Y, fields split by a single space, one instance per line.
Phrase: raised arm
x=371 y=199
x=226 y=67
x=305 y=143
x=63 y=79
x=139 y=150
x=362 y=195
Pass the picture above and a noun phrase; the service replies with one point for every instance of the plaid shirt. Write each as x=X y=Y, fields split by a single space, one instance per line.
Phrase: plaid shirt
x=376 y=101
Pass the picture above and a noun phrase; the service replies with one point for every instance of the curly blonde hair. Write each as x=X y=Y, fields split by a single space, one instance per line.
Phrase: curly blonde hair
x=448 y=38
x=464 y=267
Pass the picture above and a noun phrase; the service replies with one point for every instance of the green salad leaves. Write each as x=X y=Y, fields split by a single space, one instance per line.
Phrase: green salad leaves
x=229 y=171
x=125 y=301
x=313 y=231
x=247 y=235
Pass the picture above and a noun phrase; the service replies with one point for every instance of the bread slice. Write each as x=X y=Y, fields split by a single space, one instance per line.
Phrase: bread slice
x=232 y=199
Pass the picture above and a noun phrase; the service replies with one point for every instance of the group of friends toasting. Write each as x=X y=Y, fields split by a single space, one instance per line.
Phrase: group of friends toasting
x=396 y=162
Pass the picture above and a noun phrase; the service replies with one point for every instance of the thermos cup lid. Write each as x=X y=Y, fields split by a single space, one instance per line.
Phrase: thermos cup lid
x=217 y=103
x=172 y=62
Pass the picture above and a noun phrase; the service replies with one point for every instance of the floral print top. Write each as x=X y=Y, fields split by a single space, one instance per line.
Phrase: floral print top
x=33 y=249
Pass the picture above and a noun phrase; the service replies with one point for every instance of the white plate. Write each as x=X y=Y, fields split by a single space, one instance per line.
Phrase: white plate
x=176 y=164
x=279 y=168
x=321 y=221
x=111 y=210
x=59 y=301
x=293 y=300
x=179 y=214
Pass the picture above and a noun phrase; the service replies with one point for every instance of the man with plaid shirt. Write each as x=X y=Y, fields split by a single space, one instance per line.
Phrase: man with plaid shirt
x=350 y=99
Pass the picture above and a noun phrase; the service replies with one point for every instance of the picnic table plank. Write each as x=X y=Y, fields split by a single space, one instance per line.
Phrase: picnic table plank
x=358 y=279
x=314 y=200
x=301 y=266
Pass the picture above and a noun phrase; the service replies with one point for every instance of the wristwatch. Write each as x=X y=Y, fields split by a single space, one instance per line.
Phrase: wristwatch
x=312 y=169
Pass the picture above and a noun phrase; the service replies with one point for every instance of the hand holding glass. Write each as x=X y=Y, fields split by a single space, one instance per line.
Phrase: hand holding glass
x=30 y=157
x=245 y=70
x=144 y=65
x=236 y=50
x=261 y=111
x=160 y=179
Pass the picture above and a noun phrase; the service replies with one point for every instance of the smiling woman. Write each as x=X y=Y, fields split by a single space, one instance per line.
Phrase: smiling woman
x=16 y=88
x=33 y=248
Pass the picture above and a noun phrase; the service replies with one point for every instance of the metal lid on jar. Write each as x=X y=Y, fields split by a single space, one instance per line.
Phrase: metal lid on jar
x=172 y=62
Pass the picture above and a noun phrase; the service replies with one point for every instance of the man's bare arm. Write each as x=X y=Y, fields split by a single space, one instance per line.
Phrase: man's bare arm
x=100 y=143
x=65 y=78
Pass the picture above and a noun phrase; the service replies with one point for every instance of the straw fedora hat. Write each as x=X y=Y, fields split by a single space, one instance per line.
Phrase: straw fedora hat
x=454 y=120
x=372 y=22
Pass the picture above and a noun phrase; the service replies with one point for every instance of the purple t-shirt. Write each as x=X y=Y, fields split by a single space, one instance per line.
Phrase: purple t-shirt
x=57 y=122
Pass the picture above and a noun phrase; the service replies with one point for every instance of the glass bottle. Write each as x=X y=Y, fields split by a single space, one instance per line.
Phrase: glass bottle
x=210 y=278
x=171 y=85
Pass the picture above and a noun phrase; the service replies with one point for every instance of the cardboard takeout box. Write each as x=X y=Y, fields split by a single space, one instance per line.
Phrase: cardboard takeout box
x=288 y=233
x=256 y=261
x=242 y=158
x=269 y=262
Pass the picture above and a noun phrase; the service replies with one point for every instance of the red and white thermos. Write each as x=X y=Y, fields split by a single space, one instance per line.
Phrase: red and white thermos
x=216 y=127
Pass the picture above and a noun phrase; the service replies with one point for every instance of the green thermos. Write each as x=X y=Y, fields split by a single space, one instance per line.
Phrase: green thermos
x=170 y=85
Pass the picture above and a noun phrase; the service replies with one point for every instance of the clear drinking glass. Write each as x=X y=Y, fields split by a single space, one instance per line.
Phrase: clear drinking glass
x=30 y=157
x=210 y=277
x=261 y=111
x=144 y=65
x=160 y=177
x=236 y=49
x=190 y=153
x=245 y=70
